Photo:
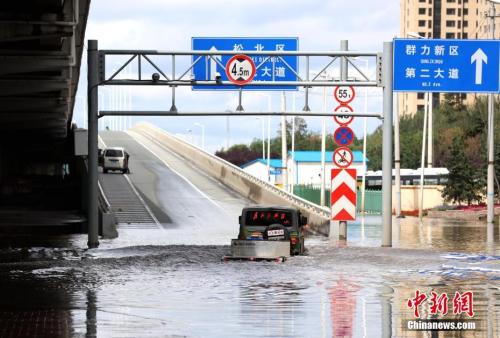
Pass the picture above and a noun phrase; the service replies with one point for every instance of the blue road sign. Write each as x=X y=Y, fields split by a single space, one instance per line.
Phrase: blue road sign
x=438 y=65
x=272 y=69
x=343 y=136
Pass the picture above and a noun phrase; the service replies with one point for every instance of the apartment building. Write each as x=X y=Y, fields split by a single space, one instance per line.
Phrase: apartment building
x=443 y=19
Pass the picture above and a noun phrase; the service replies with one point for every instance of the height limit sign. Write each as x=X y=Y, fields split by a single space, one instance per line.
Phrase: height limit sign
x=240 y=69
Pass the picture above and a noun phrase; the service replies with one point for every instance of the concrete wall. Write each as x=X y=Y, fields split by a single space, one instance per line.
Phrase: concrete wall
x=410 y=197
x=234 y=177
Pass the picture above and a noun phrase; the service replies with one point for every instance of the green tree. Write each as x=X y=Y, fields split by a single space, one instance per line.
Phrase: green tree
x=462 y=184
x=238 y=154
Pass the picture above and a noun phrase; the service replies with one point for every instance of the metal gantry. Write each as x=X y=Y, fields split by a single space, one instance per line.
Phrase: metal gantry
x=161 y=77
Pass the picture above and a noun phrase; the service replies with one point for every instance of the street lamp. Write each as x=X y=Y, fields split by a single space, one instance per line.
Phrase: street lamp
x=189 y=136
x=269 y=107
x=263 y=142
x=427 y=109
x=202 y=126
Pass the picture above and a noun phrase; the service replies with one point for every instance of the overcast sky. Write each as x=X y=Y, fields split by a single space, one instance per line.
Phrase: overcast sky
x=169 y=25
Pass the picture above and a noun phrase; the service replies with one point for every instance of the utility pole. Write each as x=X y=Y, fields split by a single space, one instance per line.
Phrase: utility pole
x=491 y=138
x=284 y=166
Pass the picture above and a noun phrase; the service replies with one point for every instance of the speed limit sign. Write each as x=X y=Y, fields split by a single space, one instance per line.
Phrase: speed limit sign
x=344 y=94
x=240 y=69
x=343 y=120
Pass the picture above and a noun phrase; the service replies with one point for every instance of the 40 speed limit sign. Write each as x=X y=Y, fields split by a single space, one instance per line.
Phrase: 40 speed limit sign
x=240 y=69
x=344 y=94
x=343 y=120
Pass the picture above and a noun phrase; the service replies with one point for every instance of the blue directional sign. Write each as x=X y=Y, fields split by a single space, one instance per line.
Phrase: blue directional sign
x=439 y=65
x=268 y=69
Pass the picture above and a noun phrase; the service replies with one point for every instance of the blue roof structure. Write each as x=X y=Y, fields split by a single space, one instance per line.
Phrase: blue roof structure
x=315 y=156
x=273 y=163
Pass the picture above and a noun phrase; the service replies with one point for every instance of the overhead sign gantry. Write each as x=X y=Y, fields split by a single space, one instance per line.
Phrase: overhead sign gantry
x=97 y=76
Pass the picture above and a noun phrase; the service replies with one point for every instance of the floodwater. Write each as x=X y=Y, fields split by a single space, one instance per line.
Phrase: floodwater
x=150 y=283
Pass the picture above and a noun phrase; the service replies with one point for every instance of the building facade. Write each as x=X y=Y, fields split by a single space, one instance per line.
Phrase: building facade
x=443 y=19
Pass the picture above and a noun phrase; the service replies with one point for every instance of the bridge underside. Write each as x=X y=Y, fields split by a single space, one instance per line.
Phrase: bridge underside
x=41 y=44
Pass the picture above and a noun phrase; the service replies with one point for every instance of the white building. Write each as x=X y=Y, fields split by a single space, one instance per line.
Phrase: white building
x=304 y=169
x=258 y=168
x=306 y=166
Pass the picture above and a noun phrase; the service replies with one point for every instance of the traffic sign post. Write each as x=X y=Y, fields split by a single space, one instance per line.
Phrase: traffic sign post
x=342 y=157
x=268 y=69
x=343 y=136
x=343 y=195
x=439 y=65
x=240 y=69
x=343 y=120
x=344 y=94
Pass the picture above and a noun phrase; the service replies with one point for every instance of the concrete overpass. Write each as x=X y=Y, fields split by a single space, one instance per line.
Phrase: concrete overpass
x=41 y=44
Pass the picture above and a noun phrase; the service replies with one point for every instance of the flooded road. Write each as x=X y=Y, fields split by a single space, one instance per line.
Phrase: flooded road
x=161 y=284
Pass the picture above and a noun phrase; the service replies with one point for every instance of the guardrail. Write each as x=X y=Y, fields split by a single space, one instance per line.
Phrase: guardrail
x=248 y=185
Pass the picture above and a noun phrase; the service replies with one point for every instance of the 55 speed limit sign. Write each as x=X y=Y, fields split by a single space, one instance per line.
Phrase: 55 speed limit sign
x=240 y=69
x=344 y=94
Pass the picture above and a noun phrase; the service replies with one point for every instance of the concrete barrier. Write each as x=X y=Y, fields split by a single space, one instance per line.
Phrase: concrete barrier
x=232 y=176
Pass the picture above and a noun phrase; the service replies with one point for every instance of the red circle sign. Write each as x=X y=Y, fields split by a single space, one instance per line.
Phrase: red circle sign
x=343 y=120
x=342 y=157
x=343 y=136
x=344 y=94
x=240 y=69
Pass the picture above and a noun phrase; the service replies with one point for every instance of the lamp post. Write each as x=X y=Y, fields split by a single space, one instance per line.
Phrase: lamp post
x=490 y=189
x=263 y=132
x=269 y=105
x=427 y=114
x=202 y=126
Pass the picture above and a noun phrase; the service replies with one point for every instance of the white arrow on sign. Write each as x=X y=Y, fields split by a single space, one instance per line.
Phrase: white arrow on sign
x=479 y=57
x=211 y=67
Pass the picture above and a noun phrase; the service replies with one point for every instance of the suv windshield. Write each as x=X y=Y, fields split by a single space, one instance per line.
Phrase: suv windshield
x=268 y=217
x=114 y=153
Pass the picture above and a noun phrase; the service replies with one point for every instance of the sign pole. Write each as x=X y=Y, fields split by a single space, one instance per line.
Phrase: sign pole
x=284 y=157
x=387 y=147
x=344 y=46
x=93 y=108
x=491 y=131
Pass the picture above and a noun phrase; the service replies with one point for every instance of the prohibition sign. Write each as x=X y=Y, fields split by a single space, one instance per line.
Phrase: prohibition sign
x=343 y=136
x=343 y=120
x=344 y=94
x=240 y=69
x=342 y=157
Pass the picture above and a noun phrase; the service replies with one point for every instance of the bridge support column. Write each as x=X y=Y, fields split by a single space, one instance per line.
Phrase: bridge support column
x=92 y=92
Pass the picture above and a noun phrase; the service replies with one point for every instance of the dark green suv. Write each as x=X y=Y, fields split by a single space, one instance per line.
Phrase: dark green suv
x=273 y=223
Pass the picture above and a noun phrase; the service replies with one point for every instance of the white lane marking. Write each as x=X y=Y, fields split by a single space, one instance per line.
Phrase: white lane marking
x=142 y=201
x=176 y=172
x=102 y=141
x=136 y=192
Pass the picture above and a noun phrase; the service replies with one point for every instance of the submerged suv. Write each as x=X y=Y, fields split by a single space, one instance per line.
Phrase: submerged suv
x=115 y=159
x=274 y=223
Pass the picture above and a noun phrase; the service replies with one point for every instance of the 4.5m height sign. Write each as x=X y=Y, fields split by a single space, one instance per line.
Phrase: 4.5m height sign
x=268 y=69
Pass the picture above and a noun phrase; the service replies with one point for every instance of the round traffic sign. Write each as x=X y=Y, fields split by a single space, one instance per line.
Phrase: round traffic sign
x=240 y=69
x=343 y=120
x=342 y=157
x=343 y=136
x=344 y=94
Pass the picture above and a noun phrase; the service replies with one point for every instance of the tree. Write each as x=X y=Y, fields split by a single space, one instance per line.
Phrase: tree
x=463 y=184
x=238 y=154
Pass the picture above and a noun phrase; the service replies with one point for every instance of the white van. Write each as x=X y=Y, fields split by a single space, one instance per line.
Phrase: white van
x=115 y=158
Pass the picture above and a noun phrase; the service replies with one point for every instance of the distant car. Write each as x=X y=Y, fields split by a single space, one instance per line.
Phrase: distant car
x=115 y=158
x=273 y=223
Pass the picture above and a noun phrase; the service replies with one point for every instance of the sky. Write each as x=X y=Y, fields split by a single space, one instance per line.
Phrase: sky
x=169 y=25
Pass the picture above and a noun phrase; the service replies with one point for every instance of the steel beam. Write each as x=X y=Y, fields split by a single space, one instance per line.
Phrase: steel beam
x=103 y=113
